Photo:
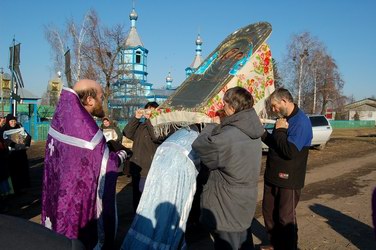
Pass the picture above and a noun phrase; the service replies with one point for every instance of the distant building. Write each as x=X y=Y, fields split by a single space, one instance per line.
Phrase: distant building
x=132 y=90
x=197 y=60
x=361 y=110
x=27 y=109
x=330 y=114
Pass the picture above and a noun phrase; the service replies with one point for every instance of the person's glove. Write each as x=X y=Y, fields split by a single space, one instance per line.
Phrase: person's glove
x=19 y=146
x=122 y=154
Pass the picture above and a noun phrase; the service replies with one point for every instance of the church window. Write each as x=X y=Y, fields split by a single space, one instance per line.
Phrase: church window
x=138 y=57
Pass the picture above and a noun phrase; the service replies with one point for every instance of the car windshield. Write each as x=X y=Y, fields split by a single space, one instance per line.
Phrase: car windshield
x=318 y=121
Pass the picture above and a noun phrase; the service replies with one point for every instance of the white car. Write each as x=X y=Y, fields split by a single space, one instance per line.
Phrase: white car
x=321 y=130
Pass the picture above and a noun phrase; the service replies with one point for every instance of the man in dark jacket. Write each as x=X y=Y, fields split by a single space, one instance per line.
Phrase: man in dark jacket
x=141 y=132
x=285 y=169
x=232 y=153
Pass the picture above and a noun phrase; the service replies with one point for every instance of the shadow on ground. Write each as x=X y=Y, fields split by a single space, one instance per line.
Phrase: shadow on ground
x=362 y=236
x=27 y=205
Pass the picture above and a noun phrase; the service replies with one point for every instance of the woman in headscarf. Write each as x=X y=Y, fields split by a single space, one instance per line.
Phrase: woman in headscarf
x=17 y=140
x=111 y=131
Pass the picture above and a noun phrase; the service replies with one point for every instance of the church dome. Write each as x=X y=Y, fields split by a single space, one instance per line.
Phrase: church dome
x=198 y=40
x=133 y=15
x=169 y=77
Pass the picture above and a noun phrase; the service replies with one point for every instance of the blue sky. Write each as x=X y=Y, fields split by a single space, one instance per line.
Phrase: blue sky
x=168 y=29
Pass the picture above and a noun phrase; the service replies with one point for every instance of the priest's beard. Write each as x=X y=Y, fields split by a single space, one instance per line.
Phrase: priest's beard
x=98 y=110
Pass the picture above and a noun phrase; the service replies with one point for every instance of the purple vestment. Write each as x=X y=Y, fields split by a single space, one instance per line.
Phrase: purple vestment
x=79 y=182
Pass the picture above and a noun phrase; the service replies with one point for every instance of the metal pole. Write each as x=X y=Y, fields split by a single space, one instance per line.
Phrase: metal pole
x=13 y=102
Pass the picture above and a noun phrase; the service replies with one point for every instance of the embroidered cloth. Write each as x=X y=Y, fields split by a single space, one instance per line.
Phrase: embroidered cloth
x=242 y=59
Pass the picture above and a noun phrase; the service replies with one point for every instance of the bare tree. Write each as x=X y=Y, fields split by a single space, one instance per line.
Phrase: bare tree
x=296 y=64
x=73 y=37
x=101 y=51
x=95 y=50
x=317 y=57
x=277 y=78
x=312 y=75
x=332 y=83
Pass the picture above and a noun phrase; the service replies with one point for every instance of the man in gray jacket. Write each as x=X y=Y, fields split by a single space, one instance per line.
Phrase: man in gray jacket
x=232 y=153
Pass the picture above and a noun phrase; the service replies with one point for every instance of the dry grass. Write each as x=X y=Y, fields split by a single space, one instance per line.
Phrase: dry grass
x=353 y=132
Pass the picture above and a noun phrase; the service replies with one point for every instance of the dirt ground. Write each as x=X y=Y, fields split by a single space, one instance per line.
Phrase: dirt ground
x=334 y=211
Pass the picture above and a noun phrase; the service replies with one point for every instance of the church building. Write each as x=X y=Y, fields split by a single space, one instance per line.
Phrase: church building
x=197 y=60
x=132 y=89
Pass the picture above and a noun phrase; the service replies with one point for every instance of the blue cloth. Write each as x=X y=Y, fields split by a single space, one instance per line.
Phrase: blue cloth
x=300 y=130
x=165 y=203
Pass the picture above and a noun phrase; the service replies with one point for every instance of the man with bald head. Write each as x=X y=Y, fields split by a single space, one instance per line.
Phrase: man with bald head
x=91 y=96
x=80 y=171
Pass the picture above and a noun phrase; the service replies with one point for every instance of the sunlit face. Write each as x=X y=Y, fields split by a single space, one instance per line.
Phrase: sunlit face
x=106 y=123
x=228 y=109
x=12 y=123
x=98 y=105
x=279 y=107
x=148 y=112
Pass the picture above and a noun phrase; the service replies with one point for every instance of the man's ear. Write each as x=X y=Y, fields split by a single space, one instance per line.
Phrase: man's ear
x=232 y=109
x=90 y=101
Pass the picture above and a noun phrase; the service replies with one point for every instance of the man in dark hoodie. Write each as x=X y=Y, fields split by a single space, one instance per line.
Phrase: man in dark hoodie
x=232 y=153
x=285 y=169
x=141 y=132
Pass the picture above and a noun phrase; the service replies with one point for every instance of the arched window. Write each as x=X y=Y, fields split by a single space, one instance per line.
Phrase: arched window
x=138 y=56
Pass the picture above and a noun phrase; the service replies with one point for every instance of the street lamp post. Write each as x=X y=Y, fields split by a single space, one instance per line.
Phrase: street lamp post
x=302 y=56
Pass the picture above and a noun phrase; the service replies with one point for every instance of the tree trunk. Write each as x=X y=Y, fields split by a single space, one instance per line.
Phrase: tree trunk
x=106 y=98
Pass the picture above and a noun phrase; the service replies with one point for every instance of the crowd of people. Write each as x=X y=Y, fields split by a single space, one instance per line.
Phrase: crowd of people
x=82 y=160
